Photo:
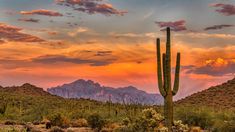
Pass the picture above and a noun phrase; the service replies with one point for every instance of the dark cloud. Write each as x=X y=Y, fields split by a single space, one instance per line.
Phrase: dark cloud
x=175 y=26
x=29 y=20
x=12 y=33
x=103 y=53
x=217 y=67
x=50 y=59
x=91 y=7
x=42 y=12
x=225 y=9
x=216 y=27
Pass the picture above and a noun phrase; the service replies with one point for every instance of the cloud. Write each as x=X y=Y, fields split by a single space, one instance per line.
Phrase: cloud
x=77 y=31
x=175 y=26
x=216 y=27
x=103 y=53
x=42 y=12
x=225 y=9
x=133 y=35
x=214 y=67
x=2 y=41
x=29 y=20
x=50 y=59
x=91 y=7
x=12 y=33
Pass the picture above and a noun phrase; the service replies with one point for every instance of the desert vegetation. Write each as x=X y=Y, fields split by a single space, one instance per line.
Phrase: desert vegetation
x=21 y=110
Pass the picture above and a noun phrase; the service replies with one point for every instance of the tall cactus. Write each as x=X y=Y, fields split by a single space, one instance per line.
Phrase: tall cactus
x=164 y=82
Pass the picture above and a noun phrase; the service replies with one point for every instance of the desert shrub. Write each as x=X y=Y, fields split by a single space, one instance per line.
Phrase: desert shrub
x=56 y=119
x=180 y=127
x=193 y=117
x=56 y=129
x=95 y=121
x=148 y=121
x=59 y=120
x=224 y=126
x=79 y=123
x=10 y=122
x=126 y=121
x=3 y=107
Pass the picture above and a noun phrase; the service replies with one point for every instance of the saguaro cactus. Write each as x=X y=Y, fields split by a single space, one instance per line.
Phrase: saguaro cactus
x=164 y=82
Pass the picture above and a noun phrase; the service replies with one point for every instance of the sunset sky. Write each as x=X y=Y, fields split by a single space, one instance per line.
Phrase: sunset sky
x=52 y=42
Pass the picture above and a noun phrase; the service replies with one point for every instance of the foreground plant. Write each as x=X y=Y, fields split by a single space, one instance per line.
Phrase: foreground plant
x=164 y=82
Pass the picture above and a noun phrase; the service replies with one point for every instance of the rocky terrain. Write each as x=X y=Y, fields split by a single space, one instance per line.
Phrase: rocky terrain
x=220 y=96
x=91 y=90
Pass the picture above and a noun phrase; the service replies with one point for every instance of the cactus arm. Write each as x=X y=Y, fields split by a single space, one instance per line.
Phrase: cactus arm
x=164 y=71
x=159 y=69
x=177 y=74
x=168 y=60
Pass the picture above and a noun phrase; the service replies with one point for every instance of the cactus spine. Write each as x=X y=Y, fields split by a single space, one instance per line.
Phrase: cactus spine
x=164 y=82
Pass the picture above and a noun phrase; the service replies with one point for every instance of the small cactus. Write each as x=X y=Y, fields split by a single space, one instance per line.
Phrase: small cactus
x=164 y=82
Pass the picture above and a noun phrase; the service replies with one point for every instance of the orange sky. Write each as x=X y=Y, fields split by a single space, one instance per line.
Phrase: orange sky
x=114 y=43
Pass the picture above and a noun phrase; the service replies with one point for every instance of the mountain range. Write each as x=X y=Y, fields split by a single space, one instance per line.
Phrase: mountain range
x=88 y=89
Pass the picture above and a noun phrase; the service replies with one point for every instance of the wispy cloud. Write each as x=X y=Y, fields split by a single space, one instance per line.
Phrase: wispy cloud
x=12 y=33
x=225 y=9
x=91 y=7
x=77 y=31
x=50 y=59
x=42 y=12
x=216 y=27
x=175 y=26
x=29 y=20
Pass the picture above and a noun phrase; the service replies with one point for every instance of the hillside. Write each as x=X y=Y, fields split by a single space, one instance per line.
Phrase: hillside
x=29 y=103
x=220 y=96
x=91 y=90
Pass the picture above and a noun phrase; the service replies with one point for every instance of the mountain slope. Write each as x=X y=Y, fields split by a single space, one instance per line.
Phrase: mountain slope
x=27 y=89
x=220 y=96
x=91 y=90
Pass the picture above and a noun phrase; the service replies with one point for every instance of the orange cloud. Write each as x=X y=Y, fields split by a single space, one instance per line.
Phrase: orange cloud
x=42 y=12
x=12 y=33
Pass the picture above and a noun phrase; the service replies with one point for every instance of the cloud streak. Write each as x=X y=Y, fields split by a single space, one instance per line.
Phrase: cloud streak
x=50 y=59
x=175 y=26
x=12 y=33
x=225 y=9
x=216 y=27
x=91 y=7
x=42 y=12
x=29 y=20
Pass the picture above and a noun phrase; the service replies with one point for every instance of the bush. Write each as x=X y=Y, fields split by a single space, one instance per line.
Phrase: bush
x=180 y=127
x=79 y=123
x=224 y=126
x=201 y=117
x=96 y=121
x=58 y=120
x=148 y=121
x=9 y=122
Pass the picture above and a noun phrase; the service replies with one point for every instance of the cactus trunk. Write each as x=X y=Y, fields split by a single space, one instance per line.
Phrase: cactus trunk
x=165 y=88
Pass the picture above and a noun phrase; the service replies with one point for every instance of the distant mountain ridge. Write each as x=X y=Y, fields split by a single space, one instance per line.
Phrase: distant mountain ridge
x=91 y=90
x=220 y=96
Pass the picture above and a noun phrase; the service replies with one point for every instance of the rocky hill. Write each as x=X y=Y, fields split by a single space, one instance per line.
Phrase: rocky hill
x=27 y=89
x=91 y=90
x=220 y=96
